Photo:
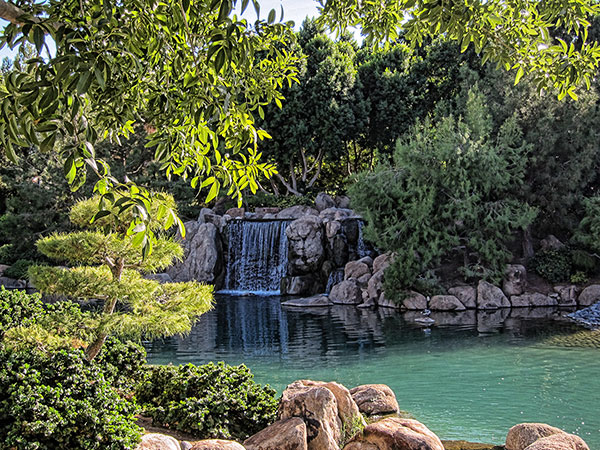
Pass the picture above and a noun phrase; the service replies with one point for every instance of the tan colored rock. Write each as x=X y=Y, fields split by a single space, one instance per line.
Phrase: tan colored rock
x=289 y=434
x=559 y=441
x=348 y=410
x=445 y=303
x=324 y=201
x=156 y=441
x=235 y=212
x=515 y=280
x=532 y=299
x=346 y=292
x=589 y=295
x=490 y=296
x=466 y=294
x=395 y=434
x=567 y=295
x=332 y=228
x=318 y=408
x=522 y=435
x=375 y=285
x=356 y=269
x=382 y=262
x=217 y=444
x=375 y=399
x=297 y=211
x=414 y=301
x=305 y=243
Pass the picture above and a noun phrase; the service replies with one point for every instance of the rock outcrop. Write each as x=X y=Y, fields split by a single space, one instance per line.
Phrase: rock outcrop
x=347 y=292
x=445 y=303
x=305 y=245
x=523 y=435
x=466 y=294
x=532 y=299
x=155 y=441
x=589 y=295
x=414 y=300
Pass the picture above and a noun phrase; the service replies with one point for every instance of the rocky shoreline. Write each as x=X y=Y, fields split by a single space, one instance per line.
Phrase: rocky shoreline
x=316 y=415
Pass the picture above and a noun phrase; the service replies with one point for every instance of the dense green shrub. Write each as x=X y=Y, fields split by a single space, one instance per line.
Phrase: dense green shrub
x=61 y=401
x=553 y=265
x=18 y=309
x=19 y=269
x=451 y=192
x=213 y=400
x=121 y=362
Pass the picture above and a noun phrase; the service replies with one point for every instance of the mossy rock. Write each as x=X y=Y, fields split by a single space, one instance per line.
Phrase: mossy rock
x=464 y=445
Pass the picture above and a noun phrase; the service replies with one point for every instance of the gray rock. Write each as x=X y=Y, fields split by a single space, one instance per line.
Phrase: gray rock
x=342 y=202
x=356 y=269
x=367 y=260
x=532 y=299
x=324 y=201
x=375 y=285
x=309 y=302
x=202 y=254
x=466 y=294
x=11 y=283
x=414 y=301
x=382 y=262
x=367 y=302
x=383 y=302
x=515 y=280
x=338 y=214
x=204 y=212
x=217 y=444
x=332 y=228
x=589 y=295
x=262 y=211
x=296 y=212
x=445 y=303
x=305 y=244
x=551 y=242
x=300 y=285
x=567 y=295
x=339 y=250
x=185 y=445
x=490 y=296
x=346 y=292
x=236 y=213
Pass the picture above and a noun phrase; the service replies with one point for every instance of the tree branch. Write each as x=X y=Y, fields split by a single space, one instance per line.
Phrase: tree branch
x=10 y=12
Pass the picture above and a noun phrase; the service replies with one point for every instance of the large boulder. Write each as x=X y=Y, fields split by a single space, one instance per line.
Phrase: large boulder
x=567 y=295
x=217 y=444
x=202 y=254
x=305 y=245
x=332 y=228
x=445 y=303
x=155 y=441
x=551 y=242
x=414 y=301
x=589 y=295
x=346 y=292
x=490 y=296
x=395 y=434
x=375 y=399
x=559 y=441
x=324 y=201
x=236 y=213
x=317 y=407
x=296 y=212
x=515 y=280
x=356 y=269
x=532 y=299
x=466 y=294
x=348 y=410
x=342 y=201
x=384 y=302
x=523 y=435
x=288 y=434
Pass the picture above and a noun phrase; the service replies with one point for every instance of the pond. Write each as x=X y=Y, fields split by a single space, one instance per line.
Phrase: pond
x=470 y=377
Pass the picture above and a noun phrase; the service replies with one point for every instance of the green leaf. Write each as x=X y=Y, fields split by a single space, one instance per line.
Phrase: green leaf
x=271 y=17
x=214 y=190
x=520 y=73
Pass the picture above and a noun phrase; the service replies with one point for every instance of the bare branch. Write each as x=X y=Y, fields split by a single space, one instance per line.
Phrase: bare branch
x=10 y=12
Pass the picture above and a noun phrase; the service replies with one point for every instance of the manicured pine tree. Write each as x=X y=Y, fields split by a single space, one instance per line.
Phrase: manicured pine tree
x=108 y=259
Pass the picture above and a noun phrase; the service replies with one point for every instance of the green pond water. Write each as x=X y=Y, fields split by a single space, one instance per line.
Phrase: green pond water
x=470 y=376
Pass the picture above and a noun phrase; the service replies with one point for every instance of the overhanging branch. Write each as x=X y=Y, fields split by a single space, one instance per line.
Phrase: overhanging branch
x=10 y=12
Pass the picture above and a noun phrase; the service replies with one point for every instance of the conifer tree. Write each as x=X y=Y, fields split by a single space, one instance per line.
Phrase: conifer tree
x=108 y=264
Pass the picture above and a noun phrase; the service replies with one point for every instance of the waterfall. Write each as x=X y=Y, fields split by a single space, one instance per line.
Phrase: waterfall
x=335 y=277
x=257 y=256
x=361 y=247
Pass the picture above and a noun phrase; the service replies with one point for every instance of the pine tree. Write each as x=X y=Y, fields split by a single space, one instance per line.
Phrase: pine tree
x=107 y=264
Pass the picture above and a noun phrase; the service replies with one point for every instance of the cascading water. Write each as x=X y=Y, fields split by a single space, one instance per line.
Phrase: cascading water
x=361 y=247
x=257 y=256
x=335 y=277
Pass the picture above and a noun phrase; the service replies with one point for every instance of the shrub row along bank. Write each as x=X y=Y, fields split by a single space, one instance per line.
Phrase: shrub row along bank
x=58 y=399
